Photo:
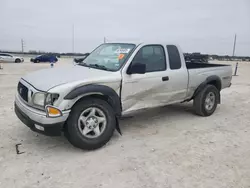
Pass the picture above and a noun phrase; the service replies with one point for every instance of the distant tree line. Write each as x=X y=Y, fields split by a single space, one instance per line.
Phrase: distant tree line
x=205 y=57
x=230 y=58
x=196 y=56
x=33 y=52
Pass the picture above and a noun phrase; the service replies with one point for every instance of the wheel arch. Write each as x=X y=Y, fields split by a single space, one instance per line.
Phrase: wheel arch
x=97 y=91
x=211 y=80
x=214 y=80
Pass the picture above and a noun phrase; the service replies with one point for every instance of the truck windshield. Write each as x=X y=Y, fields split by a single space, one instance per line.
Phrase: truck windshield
x=109 y=56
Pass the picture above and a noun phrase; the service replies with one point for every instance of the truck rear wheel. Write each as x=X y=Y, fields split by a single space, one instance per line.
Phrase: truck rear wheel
x=91 y=124
x=205 y=102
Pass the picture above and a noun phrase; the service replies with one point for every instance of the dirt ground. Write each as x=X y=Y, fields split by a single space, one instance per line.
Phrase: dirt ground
x=167 y=147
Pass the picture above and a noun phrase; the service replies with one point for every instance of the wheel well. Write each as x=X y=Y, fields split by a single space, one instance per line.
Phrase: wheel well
x=102 y=97
x=117 y=108
x=215 y=83
x=98 y=96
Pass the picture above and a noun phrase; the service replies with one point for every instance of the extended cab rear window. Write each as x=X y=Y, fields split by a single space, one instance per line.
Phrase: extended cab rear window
x=174 y=57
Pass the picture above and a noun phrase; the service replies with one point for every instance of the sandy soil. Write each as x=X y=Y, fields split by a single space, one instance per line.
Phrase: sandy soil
x=166 y=147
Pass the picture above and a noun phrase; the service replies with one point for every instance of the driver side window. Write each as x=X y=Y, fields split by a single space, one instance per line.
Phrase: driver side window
x=153 y=56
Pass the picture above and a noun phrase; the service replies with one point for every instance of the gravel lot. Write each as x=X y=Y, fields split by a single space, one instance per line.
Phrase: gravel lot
x=164 y=147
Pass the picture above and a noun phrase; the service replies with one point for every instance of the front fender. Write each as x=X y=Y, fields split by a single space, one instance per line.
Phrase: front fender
x=113 y=98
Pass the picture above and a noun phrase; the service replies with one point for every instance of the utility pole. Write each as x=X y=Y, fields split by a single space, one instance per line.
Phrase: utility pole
x=73 y=38
x=104 y=40
x=235 y=37
x=22 y=45
x=236 y=66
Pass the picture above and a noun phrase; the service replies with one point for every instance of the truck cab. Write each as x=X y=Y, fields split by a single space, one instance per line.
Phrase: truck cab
x=86 y=100
x=162 y=81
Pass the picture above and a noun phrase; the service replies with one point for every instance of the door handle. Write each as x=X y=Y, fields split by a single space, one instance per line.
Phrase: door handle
x=165 y=78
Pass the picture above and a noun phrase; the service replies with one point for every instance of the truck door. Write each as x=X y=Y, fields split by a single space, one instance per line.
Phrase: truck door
x=178 y=75
x=158 y=86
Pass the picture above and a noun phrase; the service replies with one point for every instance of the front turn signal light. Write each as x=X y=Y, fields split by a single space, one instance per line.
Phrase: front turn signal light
x=53 y=112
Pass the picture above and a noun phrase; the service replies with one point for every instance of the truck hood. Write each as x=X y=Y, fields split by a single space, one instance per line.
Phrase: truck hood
x=48 y=78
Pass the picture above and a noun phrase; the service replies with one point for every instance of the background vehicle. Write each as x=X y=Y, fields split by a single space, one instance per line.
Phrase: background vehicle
x=86 y=100
x=4 y=57
x=196 y=58
x=44 y=58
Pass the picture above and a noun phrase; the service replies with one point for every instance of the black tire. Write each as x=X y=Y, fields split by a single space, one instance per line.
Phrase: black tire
x=36 y=61
x=199 y=101
x=73 y=133
x=17 y=60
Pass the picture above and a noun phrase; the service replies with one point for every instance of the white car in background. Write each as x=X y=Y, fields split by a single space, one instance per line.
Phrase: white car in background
x=4 y=57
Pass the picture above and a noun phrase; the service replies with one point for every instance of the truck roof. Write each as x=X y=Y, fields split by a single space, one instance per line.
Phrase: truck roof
x=144 y=42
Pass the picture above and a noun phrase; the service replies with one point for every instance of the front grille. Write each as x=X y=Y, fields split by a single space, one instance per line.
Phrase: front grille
x=23 y=91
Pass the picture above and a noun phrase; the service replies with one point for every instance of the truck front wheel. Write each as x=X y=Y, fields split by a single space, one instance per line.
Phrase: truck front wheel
x=91 y=124
x=205 y=102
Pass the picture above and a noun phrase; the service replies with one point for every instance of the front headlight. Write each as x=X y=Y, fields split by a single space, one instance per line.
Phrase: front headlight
x=39 y=99
x=51 y=98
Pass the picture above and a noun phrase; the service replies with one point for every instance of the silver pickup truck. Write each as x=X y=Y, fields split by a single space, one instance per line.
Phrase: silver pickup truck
x=86 y=100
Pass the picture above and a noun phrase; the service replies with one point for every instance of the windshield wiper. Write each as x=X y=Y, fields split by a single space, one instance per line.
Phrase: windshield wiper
x=83 y=64
x=102 y=67
x=99 y=66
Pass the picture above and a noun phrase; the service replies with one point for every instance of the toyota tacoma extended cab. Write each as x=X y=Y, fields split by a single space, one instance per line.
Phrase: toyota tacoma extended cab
x=86 y=100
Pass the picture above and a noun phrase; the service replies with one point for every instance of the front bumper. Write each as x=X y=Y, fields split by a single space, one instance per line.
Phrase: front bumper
x=38 y=121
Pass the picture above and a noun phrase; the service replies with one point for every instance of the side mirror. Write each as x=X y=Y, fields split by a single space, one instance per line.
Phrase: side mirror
x=137 y=68
x=76 y=60
x=80 y=59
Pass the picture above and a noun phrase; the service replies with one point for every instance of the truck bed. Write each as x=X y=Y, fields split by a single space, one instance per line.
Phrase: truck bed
x=199 y=72
x=191 y=65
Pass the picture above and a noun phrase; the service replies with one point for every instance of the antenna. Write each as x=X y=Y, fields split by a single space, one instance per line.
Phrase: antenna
x=236 y=66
